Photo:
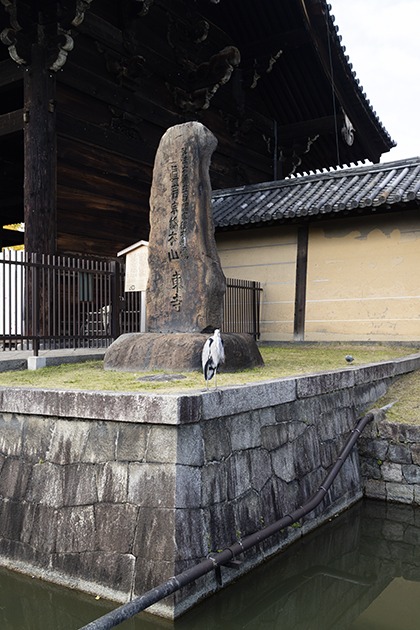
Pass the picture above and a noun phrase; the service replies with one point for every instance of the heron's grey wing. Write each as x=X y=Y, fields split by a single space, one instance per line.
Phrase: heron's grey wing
x=206 y=353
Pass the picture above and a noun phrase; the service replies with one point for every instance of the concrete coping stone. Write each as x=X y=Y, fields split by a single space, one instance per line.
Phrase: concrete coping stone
x=183 y=408
x=406 y=364
x=24 y=359
x=96 y=405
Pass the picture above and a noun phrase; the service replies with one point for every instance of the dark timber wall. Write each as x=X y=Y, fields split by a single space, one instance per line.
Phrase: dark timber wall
x=112 y=110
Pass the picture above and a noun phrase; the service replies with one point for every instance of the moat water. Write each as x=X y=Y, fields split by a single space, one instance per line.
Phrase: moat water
x=361 y=571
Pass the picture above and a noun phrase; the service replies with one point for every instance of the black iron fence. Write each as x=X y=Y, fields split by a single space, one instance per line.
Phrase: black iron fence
x=241 y=307
x=52 y=302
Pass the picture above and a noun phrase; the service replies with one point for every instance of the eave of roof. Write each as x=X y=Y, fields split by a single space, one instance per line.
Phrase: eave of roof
x=378 y=187
x=346 y=84
x=308 y=58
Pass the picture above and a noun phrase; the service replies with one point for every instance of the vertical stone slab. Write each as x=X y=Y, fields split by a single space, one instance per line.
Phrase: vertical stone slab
x=186 y=282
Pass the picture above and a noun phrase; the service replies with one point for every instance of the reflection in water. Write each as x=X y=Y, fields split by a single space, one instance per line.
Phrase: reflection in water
x=397 y=607
x=359 y=572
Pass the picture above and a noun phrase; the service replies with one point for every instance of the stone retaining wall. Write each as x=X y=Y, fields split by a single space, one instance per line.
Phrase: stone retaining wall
x=329 y=579
x=113 y=493
x=390 y=461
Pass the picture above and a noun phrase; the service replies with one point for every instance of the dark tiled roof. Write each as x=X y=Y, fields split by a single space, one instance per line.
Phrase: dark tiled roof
x=366 y=188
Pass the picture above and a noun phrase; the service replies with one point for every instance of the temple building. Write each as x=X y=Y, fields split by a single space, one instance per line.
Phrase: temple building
x=88 y=88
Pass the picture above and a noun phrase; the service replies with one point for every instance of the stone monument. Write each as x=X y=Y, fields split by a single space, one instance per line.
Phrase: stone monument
x=186 y=284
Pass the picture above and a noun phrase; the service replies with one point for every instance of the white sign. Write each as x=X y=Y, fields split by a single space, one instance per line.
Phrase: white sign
x=136 y=266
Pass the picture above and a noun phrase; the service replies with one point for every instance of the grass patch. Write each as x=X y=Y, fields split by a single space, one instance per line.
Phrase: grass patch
x=280 y=361
x=405 y=393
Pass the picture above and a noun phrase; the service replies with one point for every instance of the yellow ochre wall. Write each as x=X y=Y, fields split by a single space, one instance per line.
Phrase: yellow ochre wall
x=363 y=278
x=266 y=255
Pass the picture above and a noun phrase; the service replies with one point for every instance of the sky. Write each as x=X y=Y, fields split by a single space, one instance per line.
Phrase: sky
x=383 y=44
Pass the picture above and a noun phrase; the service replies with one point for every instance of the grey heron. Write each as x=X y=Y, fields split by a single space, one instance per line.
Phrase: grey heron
x=212 y=356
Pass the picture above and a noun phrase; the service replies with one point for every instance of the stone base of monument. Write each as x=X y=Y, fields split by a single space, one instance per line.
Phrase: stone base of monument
x=134 y=352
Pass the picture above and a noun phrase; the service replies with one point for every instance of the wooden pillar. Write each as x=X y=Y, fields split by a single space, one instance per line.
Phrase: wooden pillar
x=40 y=155
x=301 y=278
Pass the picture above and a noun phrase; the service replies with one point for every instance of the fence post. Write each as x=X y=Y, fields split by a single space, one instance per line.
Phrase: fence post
x=143 y=313
x=255 y=314
x=35 y=303
x=300 y=284
x=115 y=299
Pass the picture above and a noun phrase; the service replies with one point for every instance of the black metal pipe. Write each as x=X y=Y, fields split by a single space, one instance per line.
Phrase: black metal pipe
x=215 y=561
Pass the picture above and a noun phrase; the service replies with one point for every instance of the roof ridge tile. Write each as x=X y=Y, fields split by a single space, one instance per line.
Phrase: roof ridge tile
x=327 y=193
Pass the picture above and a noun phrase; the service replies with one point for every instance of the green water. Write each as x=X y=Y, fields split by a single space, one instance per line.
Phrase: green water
x=359 y=572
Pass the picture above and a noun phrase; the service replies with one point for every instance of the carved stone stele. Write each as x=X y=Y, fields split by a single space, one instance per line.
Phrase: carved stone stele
x=186 y=282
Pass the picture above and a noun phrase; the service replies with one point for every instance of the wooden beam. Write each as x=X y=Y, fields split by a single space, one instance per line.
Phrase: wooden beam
x=10 y=72
x=308 y=129
x=281 y=41
x=11 y=122
x=11 y=237
x=102 y=31
x=39 y=156
x=301 y=278
x=106 y=91
x=97 y=136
